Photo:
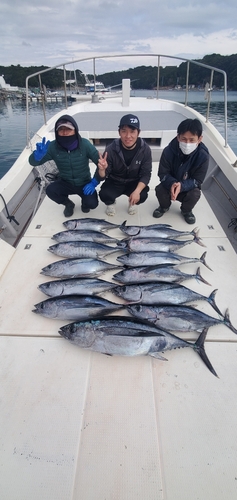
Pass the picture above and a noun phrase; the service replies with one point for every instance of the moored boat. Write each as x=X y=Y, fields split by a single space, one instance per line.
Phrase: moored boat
x=77 y=424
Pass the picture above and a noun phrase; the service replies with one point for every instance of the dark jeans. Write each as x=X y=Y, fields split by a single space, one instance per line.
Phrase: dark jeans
x=59 y=190
x=188 y=199
x=110 y=191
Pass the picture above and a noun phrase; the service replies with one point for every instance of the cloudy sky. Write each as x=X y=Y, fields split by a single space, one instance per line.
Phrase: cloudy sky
x=50 y=32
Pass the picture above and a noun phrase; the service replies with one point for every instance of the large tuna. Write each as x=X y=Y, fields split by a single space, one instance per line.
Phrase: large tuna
x=127 y=337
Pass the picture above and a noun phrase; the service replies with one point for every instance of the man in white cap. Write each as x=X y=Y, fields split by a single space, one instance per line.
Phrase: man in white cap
x=127 y=169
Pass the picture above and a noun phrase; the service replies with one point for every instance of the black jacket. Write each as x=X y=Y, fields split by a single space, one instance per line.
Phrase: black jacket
x=190 y=170
x=139 y=170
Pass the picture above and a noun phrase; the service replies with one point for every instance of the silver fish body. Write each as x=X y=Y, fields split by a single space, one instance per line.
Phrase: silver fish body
x=83 y=268
x=156 y=244
x=75 y=286
x=81 y=235
x=81 y=249
x=90 y=224
x=75 y=307
x=162 y=293
x=155 y=230
x=178 y=318
x=124 y=337
x=135 y=259
x=145 y=274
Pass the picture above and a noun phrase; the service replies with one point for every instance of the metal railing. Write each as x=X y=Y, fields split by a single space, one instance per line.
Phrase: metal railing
x=123 y=56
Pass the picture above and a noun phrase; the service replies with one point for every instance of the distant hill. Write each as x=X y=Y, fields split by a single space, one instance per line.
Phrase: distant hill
x=142 y=77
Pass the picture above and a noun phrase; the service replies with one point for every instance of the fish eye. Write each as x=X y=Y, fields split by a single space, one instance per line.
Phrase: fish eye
x=138 y=308
x=124 y=288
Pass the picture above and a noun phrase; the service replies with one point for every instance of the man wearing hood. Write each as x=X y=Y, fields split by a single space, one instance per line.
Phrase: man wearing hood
x=71 y=154
x=182 y=170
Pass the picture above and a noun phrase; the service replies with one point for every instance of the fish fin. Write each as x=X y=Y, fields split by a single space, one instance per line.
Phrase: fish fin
x=228 y=322
x=199 y=348
x=195 y=231
x=212 y=302
x=157 y=355
x=202 y=259
x=198 y=240
x=200 y=278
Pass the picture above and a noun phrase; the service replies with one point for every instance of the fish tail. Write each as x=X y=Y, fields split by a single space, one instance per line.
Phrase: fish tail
x=228 y=322
x=195 y=232
x=202 y=259
x=200 y=278
x=196 y=238
x=123 y=243
x=211 y=300
x=199 y=348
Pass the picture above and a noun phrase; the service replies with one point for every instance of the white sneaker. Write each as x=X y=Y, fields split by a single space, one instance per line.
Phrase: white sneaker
x=132 y=209
x=110 y=210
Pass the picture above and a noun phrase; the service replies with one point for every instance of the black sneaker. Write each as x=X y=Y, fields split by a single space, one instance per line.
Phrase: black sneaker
x=85 y=210
x=189 y=217
x=69 y=209
x=158 y=212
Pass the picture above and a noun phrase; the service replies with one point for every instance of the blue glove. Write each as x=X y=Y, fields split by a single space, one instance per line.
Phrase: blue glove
x=90 y=187
x=41 y=149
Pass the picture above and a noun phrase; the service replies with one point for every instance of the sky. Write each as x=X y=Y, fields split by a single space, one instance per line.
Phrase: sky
x=52 y=32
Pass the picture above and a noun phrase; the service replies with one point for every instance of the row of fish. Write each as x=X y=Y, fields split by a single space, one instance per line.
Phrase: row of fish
x=76 y=296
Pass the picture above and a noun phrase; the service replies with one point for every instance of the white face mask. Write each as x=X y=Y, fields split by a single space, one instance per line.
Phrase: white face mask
x=188 y=147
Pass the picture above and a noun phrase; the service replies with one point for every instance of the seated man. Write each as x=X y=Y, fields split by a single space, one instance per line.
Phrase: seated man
x=128 y=167
x=182 y=170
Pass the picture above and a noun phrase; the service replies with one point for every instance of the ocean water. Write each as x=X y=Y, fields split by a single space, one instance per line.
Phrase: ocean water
x=13 y=119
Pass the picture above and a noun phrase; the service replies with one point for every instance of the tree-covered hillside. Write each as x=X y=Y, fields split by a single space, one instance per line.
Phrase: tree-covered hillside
x=142 y=77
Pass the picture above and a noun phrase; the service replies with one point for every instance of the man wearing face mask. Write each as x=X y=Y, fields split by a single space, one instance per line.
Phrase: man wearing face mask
x=182 y=170
x=71 y=153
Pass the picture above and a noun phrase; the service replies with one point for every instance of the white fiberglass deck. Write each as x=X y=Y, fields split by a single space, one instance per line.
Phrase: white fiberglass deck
x=81 y=425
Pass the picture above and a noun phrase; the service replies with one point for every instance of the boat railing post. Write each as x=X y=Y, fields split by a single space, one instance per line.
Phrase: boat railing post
x=43 y=96
x=27 y=115
x=65 y=85
x=126 y=91
x=209 y=96
x=158 y=78
x=94 y=75
x=187 y=83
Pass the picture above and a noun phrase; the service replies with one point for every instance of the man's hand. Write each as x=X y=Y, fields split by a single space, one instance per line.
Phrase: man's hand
x=175 y=190
x=102 y=164
x=41 y=149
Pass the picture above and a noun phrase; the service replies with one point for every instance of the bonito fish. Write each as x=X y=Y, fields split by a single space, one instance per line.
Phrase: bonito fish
x=71 y=268
x=178 y=318
x=81 y=235
x=135 y=259
x=90 y=224
x=145 y=274
x=155 y=244
x=75 y=307
x=162 y=293
x=126 y=337
x=155 y=230
x=75 y=286
x=82 y=249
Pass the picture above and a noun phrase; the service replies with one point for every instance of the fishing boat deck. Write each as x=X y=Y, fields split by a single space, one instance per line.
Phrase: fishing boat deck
x=77 y=424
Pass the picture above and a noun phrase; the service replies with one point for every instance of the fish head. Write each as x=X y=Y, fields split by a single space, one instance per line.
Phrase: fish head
x=70 y=224
x=130 y=293
x=82 y=333
x=46 y=308
x=51 y=288
x=143 y=312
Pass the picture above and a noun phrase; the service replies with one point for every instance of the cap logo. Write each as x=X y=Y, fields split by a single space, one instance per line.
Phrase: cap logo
x=133 y=120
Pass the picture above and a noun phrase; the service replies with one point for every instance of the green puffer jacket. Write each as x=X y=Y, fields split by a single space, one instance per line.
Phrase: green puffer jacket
x=73 y=165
